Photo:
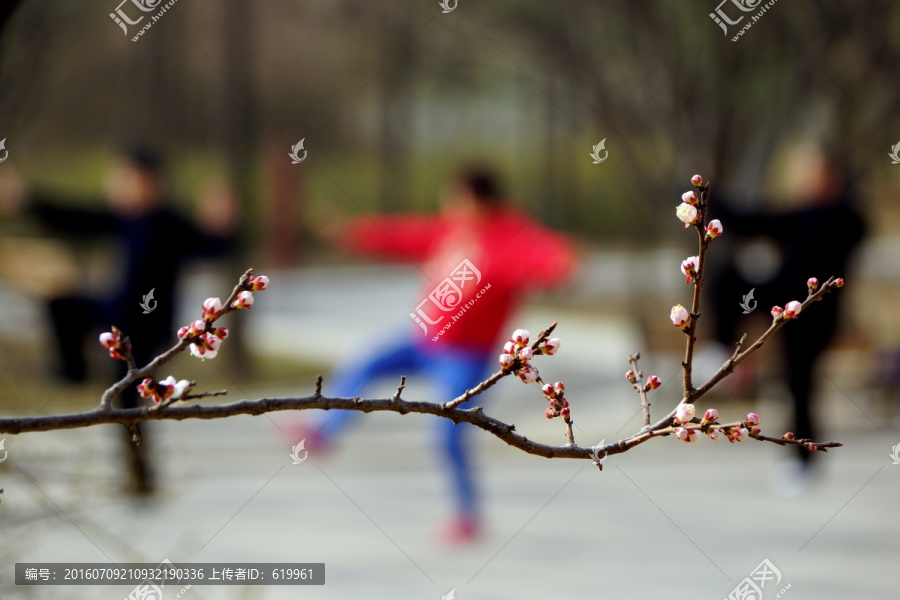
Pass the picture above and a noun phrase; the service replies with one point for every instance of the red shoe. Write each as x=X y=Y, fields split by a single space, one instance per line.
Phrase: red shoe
x=461 y=530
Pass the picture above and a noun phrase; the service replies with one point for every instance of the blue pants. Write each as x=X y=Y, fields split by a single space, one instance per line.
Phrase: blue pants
x=452 y=370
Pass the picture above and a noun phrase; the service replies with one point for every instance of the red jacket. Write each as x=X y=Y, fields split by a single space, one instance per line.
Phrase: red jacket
x=476 y=270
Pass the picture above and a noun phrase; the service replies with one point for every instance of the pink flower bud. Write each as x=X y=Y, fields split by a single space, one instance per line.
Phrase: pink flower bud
x=755 y=430
x=681 y=433
x=212 y=342
x=693 y=436
x=752 y=419
x=792 y=309
x=520 y=337
x=812 y=283
x=259 y=283
x=812 y=447
x=689 y=267
x=653 y=382
x=689 y=197
x=680 y=316
x=741 y=434
x=145 y=388
x=182 y=332
x=839 y=282
x=108 y=340
x=506 y=360
x=527 y=375
x=198 y=350
x=197 y=327
x=565 y=412
x=509 y=348
x=714 y=229
x=549 y=391
x=550 y=347
x=220 y=332
x=714 y=434
x=526 y=353
x=686 y=213
x=630 y=376
x=244 y=300
x=560 y=388
x=565 y=403
x=710 y=415
x=211 y=308
x=684 y=413
x=789 y=436
x=697 y=180
x=549 y=413
x=777 y=312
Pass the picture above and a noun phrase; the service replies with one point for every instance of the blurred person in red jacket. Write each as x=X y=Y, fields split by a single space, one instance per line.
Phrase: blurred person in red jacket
x=479 y=257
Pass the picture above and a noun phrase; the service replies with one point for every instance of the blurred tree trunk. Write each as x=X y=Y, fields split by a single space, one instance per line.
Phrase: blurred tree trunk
x=240 y=141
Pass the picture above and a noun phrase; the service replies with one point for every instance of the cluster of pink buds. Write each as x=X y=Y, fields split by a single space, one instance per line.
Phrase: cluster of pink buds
x=687 y=435
x=790 y=311
x=205 y=339
x=559 y=406
x=680 y=317
x=687 y=211
x=167 y=389
x=517 y=352
x=115 y=342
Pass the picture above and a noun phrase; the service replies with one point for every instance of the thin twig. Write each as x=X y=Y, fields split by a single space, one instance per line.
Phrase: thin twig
x=639 y=387
x=493 y=379
x=691 y=329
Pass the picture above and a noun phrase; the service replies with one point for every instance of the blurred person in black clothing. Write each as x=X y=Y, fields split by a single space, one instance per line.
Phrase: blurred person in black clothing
x=815 y=238
x=153 y=243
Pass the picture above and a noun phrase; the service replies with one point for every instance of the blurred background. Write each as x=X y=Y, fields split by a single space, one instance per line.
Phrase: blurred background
x=798 y=115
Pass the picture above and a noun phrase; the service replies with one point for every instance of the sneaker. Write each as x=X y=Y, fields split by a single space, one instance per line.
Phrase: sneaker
x=461 y=530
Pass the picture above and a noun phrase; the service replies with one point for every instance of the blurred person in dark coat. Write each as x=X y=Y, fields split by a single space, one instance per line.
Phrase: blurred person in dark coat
x=153 y=242
x=815 y=238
